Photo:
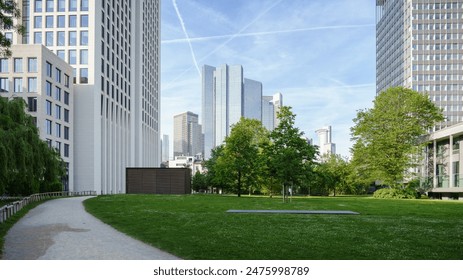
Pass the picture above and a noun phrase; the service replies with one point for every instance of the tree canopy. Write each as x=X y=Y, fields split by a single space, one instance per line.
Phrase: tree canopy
x=9 y=12
x=387 y=136
x=27 y=164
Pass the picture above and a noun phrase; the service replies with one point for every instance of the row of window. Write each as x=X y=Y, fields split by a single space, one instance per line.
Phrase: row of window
x=60 y=21
x=61 y=38
x=18 y=86
x=437 y=47
x=437 y=36
x=425 y=16
x=427 y=57
x=427 y=88
x=437 y=77
x=57 y=96
x=437 y=26
x=57 y=112
x=18 y=65
x=57 y=143
x=437 y=6
x=60 y=5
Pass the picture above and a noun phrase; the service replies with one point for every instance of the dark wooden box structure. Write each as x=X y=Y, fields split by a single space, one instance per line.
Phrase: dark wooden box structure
x=158 y=180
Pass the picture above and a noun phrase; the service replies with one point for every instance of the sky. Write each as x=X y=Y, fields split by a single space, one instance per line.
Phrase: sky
x=320 y=54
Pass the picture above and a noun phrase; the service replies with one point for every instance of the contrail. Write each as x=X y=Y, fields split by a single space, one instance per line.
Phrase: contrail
x=200 y=39
x=182 y=23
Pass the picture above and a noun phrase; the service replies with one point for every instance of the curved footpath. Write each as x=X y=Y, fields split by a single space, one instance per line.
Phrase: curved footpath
x=61 y=229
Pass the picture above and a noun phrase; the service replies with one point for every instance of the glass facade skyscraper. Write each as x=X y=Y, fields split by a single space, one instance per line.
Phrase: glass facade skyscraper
x=419 y=45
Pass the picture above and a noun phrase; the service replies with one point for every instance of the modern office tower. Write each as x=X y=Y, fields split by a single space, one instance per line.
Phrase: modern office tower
x=252 y=99
x=268 y=113
x=277 y=104
x=113 y=46
x=44 y=81
x=227 y=96
x=187 y=135
x=419 y=46
x=324 y=139
x=165 y=148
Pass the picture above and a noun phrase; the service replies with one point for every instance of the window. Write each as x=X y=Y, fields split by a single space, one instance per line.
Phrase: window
x=66 y=80
x=49 y=21
x=83 y=75
x=9 y=36
x=66 y=150
x=58 y=112
x=72 y=5
x=61 y=41
x=84 y=38
x=4 y=85
x=49 y=69
x=32 y=64
x=18 y=84
x=48 y=106
x=3 y=65
x=48 y=88
x=49 y=38
x=58 y=130
x=72 y=21
x=84 y=57
x=66 y=115
x=49 y=5
x=61 y=5
x=48 y=127
x=66 y=133
x=32 y=104
x=58 y=75
x=38 y=22
x=58 y=93
x=38 y=5
x=66 y=98
x=84 y=21
x=37 y=37
x=72 y=57
x=60 y=21
x=18 y=65
x=61 y=54
x=32 y=84
x=84 y=5
x=72 y=38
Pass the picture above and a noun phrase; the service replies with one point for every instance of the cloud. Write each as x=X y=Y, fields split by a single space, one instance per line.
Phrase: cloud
x=262 y=33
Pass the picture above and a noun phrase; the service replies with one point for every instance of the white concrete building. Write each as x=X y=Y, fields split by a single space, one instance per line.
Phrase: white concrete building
x=44 y=81
x=194 y=163
x=113 y=46
x=326 y=146
x=441 y=171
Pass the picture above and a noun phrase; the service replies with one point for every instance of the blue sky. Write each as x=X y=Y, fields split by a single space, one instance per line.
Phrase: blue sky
x=320 y=54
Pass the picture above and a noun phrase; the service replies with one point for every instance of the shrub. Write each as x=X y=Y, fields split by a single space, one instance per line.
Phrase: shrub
x=396 y=193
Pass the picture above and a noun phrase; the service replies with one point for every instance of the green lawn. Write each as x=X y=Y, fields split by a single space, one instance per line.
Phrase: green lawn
x=197 y=227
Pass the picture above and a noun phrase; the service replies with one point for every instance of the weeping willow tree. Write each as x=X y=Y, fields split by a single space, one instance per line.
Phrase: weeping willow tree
x=27 y=164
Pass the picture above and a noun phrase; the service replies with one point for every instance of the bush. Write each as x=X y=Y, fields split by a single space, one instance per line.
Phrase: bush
x=395 y=193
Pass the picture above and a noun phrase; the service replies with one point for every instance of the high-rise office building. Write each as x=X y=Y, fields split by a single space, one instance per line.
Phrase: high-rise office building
x=165 y=148
x=113 y=47
x=419 y=46
x=226 y=97
x=270 y=107
x=187 y=135
x=326 y=146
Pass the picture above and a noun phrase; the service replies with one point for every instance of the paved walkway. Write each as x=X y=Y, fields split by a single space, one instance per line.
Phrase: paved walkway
x=61 y=229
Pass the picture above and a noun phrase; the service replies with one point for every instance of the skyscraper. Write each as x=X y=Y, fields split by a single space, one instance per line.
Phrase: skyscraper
x=326 y=146
x=419 y=46
x=187 y=135
x=227 y=96
x=113 y=46
x=165 y=148
x=270 y=107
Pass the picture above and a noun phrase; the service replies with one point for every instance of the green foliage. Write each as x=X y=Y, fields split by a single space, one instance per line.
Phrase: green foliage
x=387 y=137
x=9 y=12
x=396 y=193
x=27 y=164
x=199 y=182
x=289 y=157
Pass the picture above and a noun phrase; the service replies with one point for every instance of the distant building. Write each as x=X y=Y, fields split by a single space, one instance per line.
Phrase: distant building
x=324 y=139
x=165 y=148
x=187 y=135
x=44 y=81
x=226 y=97
x=193 y=163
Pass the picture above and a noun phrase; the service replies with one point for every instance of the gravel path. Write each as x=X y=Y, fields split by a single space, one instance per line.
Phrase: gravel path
x=61 y=229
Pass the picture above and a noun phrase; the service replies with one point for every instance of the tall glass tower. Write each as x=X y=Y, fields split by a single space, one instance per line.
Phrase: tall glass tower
x=113 y=47
x=419 y=45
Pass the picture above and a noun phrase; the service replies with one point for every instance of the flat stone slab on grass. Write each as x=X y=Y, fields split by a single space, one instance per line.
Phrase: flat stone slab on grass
x=329 y=212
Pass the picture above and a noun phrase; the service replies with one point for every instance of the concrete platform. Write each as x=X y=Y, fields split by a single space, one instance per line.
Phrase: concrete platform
x=329 y=212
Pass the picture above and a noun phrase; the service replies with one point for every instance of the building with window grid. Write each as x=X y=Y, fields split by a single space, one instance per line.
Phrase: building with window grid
x=113 y=48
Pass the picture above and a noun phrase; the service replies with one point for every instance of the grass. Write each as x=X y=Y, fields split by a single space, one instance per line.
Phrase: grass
x=197 y=227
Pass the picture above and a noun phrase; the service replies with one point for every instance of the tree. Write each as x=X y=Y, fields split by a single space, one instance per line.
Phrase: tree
x=242 y=152
x=333 y=173
x=9 y=12
x=27 y=164
x=289 y=157
x=217 y=170
x=388 y=136
x=199 y=182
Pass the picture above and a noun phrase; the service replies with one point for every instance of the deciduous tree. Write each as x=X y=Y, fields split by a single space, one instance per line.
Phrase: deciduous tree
x=9 y=13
